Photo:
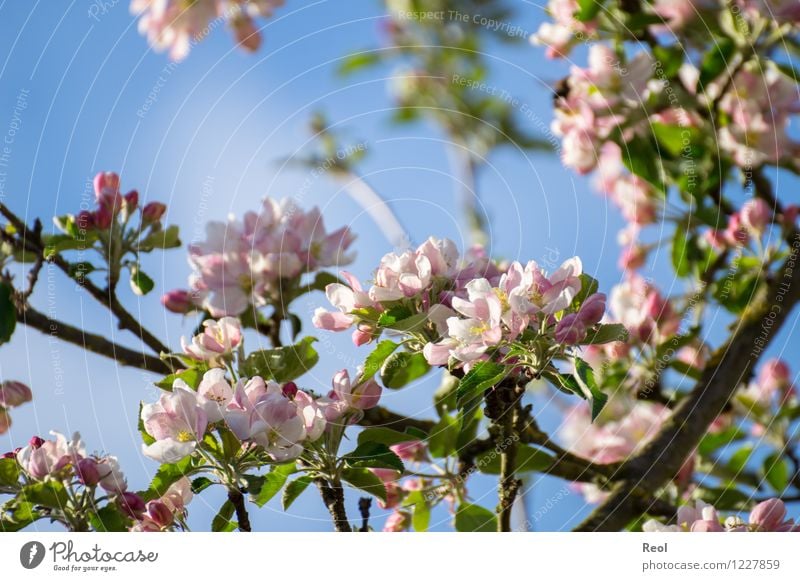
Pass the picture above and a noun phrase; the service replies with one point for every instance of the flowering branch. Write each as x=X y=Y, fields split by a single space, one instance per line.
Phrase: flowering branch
x=731 y=364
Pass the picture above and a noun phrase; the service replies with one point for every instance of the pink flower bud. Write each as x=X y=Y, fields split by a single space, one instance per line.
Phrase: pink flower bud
x=132 y=504
x=105 y=183
x=246 y=33
x=790 y=214
x=570 y=330
x=362 y=336
x=160 y=513
x=85 y=220
x=633 y=257
x=290 y=390
x=592 y=309
x=14 y=393
x=36 y=442
x=88 y=472
x=756 y=216
x=178 y=301
x=9 y=455
x=153 y=211
x=102 y=218
x=362 y=396
x=412 y=451
x=131 y=200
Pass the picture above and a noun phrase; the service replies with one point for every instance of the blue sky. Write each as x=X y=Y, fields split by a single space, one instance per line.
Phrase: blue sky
x=214 y=141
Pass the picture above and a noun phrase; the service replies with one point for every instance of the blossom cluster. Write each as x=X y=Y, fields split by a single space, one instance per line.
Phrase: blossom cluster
x=176 y=25
x=256 y=260
x=280 y=418
x=462 y=309
x=767 y=516
x=12 y=394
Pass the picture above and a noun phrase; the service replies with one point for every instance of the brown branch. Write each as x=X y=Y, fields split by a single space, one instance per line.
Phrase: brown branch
x=661 y=459
x=333 y=497
x=32 y=241
x=237 y=500
x=91 y=342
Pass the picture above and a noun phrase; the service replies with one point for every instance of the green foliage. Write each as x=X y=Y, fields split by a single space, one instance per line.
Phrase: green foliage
x=274 y=481
x=282 y=364
x=472 y=518
x=8 y=313
x=294 y=489
x=403 y=367
x=365 y=480
x=373 y=455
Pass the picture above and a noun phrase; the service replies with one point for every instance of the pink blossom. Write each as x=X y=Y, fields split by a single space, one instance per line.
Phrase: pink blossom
x=241 y=263
x=218 y=341
x=570 y=330
x=174 y=24
x=176 y=422
x=362 y=396
x=560 y=35
x=41 y=458
x=213 y=394
x=411 y=451
x=770 y=515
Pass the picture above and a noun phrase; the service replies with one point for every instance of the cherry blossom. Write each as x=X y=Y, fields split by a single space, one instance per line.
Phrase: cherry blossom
x=176 y=422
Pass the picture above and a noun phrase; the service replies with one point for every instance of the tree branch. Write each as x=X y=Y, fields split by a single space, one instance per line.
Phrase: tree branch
x=333 y=497
x=661 y=459
x=237 y=500
x=91 y=342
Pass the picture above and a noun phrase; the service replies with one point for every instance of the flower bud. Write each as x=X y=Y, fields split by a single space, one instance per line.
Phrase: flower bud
x=177 y=301
x=102 y=218
x=132 y=504
x=35 y=442
x=153 y=211
x=5 y=420
x=131 y=201
x=592 y=309
x=160 y=513
x=14 y=393
x=570 y=330
x=88 y=472
x=84 y=220
x=768 y=515
x=774 y=375
x=290 y=390
x=412 y=451
x=247 y=34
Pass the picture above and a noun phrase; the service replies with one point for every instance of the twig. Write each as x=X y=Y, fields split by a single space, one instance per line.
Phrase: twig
x=364 y=504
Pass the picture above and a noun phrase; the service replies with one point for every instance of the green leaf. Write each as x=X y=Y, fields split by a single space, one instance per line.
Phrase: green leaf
x=588 y=10
x=483 y=375
x=589 y=286
x=421 y=517
x=141 y=284
x=671 y=59
x=402 y=368
x=166 y=476
x=200 y=483
x=365 y=480
x=528 y=460
x=715 y=61
x=357 y=61
x=607 y=334
x=50 y=493
x=739 y=459
x=273 y=483
x=402 y=319
x=374 y=455
x=8 y=313
x=585 y=376
x=22 y=515
x=192 y=377
x=641 y=158
x=294 y=489
x=713 y=442
x=60 y=243
x=443 y=437
x=385 y=436
x=685 y=251
x=726 y=498
x=162 y=239
x=776 y=472
x=108 y=520
x=474 y=518
x=375 y=360
x=9 y=472
x=677 y=140
x=283 y=363
x=222 y=522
